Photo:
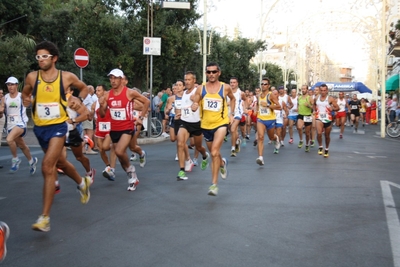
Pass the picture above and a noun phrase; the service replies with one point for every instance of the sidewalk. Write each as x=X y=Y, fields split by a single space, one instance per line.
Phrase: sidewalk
x=31 y=141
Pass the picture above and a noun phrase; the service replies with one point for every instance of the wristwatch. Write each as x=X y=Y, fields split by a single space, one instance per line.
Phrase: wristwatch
x=141 y=117
x=73 y=120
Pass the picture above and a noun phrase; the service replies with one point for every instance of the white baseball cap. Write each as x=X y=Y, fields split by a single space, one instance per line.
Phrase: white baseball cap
x=116 y=73
x=12 y=79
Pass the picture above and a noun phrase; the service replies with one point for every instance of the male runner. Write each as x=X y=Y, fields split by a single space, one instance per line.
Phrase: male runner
x=44 y=89
x=211 y=99
x=323 y=106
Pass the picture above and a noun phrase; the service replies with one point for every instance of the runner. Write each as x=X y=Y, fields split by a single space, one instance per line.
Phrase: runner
x=283 y=98
x=315 y=94
x=17 y=120
x=266 y=119
x=354 y=110
x=4 y=234
x=237 y=117
x=293 y=112
x=341 y=113
x=189 y=126
x=119 y=102
x=102 y=135
x=305 y=118
x=280 y=115
x=211 y=99
x=323 y=106
x=44 y=89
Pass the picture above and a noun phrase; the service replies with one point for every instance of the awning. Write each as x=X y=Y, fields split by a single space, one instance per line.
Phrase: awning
x=392 y=84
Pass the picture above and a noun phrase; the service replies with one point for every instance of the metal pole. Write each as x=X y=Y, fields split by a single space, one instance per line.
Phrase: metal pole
x=81 y=73
x=204 y=41
x=151 y=92
x=383 y=68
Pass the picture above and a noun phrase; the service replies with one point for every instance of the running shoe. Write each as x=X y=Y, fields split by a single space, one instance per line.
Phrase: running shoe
x=277 y=143
x=341 y=136
x=276 y=151
x=223 y=169
x=4 y=234
x=312 y=143
x=165 y=135
x=91 y=176
x=213 y=190
x=15 y=165
x=225 y=139
x=247 y=137
x=237 y=145
x=195 y=162
x=282 y=143
x=181 y=176
x=260 y=161
x=176 y=157
x=300 y=144
x=233 y=153
x=84 y=191
x=32 y=167
x=109 y=173
x=142 y=159
x=189 y=165
x=290 y=141
x=204 y=162
x=255 y=143
x=133 y=183
x=269 y=142
x=59 y=171
x=326 y=154
x=42 y=224
x=307 y=148
x=88 y=141
x=133 y=157
x=320 y=149
x=58 y=188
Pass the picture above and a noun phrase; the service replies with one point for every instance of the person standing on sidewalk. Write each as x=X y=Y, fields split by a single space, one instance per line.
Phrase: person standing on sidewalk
x=45 y=90
x=17 y=120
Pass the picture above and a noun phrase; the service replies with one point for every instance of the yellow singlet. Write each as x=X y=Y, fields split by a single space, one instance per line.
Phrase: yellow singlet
x=214 y=107
x=49 y=103
x=265 y=113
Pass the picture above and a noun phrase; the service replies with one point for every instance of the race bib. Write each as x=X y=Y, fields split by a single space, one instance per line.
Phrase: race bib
x=354 y=107
x=322 y=116
x=105 y=126
x=178 y=104
x=307 y=118
x=212 y=104
x=118 y=114
x=14 y=119
x=48 y=111
x=265 y=111
x=186 y=112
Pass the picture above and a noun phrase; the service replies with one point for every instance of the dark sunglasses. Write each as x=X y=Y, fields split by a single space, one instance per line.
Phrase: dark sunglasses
x=212 y=71
x=264 y=83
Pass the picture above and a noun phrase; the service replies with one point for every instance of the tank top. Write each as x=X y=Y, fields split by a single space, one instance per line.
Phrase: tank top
x=238 y=103
x=301 y=103
x=15 y=111
x=341 y=104
x=49 y=103
x=120 y=111
x=323 y=113
x=186 y=111
x=282 y=99
x=176 y=105
x=292 y=111
x=279 y=113
x=214 y=108
x=265 y=113
x=102 y=124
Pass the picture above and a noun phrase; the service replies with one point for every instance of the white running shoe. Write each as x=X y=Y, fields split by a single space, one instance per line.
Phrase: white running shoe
x=164 y=134
x=195 y=162
x=260 y=161
x=277 y=143
x=223 y=170
x=189 y=165
x=142 y=159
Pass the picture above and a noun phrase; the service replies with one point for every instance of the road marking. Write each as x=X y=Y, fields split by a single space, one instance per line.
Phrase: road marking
x=392 y=220
x=363 y=153
x=377 y=157
x=21 y=155
x=2 y=198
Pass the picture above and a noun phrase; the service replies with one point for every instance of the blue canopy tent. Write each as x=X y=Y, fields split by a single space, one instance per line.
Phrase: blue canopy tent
x=344 y=87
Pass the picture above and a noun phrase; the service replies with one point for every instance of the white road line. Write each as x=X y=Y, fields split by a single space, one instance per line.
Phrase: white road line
x=2 y=198
x=363 y=153
x=377 y=157
x=392 y=220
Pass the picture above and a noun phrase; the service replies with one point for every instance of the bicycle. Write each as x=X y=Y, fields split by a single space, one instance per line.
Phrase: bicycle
x=393 y=129
x=156 y=128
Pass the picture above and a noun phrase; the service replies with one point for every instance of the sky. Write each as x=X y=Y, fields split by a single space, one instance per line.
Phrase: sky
x=332 y=24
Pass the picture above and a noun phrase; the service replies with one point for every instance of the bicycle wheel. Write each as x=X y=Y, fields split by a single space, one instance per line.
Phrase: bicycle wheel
x=156 y=127
x=393 y=129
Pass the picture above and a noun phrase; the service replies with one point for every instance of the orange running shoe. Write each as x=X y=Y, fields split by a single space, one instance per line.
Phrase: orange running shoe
x=88 y=141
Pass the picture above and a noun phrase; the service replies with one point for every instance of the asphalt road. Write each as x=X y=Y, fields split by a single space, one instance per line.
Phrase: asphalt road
x=299 y=209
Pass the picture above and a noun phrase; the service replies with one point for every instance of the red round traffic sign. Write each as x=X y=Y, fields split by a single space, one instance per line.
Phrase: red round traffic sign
x=81 y=57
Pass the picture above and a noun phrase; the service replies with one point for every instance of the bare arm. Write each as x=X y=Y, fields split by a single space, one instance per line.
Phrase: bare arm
x=28 y=88
x=103 y=105
x=276 y=105
x=71 y=79
x=135 y=96
x=229 y=93
x=76 y=104
x=333 y=103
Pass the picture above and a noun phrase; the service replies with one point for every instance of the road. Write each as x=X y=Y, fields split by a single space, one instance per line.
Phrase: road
x=299 y=209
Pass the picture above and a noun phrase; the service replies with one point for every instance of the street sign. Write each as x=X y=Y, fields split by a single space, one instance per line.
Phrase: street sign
x=81 y=58
x=152 y=46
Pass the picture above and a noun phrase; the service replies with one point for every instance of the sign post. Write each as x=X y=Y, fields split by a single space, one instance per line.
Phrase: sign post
x=81 y=58
x=151 y=46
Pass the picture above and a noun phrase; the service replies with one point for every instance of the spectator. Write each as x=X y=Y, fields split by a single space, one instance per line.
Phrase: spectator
x=162 y=105
x=392 y=108
x=368 y=112
x=156 y=102
x=374 y=110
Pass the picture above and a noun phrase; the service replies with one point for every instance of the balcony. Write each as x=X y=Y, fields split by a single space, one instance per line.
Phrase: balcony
x=394 y=48
x=346 y=76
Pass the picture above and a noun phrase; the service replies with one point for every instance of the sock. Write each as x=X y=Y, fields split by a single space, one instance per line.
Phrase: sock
x=31 y=161
x=82 y=184
x=233 y=148
x=182 y=169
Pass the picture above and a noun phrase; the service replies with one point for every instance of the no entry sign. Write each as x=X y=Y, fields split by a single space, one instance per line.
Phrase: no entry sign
x=81 y=57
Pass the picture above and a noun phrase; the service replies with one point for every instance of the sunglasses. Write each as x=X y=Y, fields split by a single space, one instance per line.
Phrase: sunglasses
x=264 y=83
x=212 y=71
x=45 y=56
